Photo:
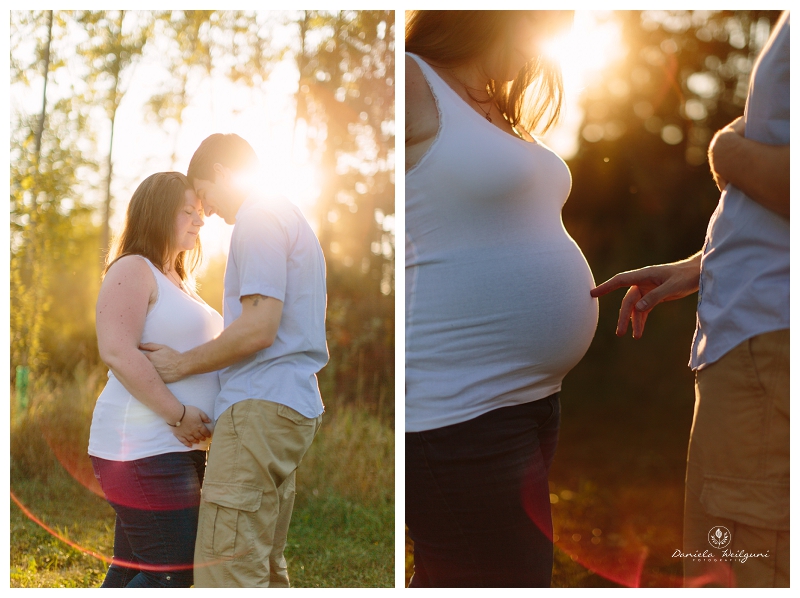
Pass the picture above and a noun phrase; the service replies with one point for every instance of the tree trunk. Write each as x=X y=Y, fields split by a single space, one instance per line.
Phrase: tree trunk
x=106 y=238
x=114 y=104
x=40 y=126
x=35 y=252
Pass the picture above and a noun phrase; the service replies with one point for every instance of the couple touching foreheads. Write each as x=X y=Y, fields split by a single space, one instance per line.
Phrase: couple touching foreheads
x=180 y=372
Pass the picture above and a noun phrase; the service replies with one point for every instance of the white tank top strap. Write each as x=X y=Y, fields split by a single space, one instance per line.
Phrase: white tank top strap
x=447 y=100
x=157 y=274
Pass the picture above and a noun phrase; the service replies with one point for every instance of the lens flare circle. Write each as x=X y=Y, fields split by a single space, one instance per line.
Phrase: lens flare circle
x=101 y=557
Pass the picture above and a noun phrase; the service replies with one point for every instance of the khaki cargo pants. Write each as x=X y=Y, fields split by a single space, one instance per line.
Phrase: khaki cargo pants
x=737 y=476
x=248 y=495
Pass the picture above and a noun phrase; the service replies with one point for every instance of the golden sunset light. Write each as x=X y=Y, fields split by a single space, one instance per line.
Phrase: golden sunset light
x=106 y=107
x=585 y=52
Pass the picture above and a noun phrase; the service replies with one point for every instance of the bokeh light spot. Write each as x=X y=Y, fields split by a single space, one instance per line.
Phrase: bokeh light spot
x=672 y=134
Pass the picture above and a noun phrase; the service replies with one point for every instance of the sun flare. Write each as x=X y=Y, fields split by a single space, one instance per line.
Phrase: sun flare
x=585 y=52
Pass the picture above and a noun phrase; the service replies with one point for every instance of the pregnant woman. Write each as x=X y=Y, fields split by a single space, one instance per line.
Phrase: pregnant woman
x=498 y=308
x=148 y=440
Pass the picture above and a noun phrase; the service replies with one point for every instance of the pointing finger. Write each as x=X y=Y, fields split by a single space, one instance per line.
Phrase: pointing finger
x=612 y=284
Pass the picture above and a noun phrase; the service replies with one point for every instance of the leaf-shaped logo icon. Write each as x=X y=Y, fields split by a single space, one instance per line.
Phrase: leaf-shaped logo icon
x=719 y=536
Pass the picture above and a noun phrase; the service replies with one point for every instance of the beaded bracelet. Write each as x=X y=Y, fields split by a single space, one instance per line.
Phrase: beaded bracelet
x=177 y=425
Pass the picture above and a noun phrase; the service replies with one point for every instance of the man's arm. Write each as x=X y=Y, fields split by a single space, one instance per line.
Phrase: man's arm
x=649 y=287
x=251 y=332
x=761 y=171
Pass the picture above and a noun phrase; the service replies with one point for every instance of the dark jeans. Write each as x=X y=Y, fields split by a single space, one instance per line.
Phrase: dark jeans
x=156 y=500
x=477 y=499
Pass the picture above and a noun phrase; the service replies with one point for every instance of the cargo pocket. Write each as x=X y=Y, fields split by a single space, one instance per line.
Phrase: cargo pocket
x=233 y=506
x=758 y=504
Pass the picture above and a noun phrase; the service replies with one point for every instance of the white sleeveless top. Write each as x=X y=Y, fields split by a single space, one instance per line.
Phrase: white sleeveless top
x=124 y=429
x=498 y=308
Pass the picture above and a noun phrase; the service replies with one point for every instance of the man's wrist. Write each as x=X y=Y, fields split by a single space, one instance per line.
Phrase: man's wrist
x=183 y=366
x=691 y=267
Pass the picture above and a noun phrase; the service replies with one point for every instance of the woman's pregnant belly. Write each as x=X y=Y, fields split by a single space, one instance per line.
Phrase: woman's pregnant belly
x=124 y=428
x=496 y=320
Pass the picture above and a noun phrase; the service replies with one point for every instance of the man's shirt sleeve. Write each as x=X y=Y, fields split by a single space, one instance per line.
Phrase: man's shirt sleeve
x=261 y=251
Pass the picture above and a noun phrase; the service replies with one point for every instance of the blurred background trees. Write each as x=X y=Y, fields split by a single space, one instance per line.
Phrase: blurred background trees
x=643 y=191
x=78 y=67
x=642 y=194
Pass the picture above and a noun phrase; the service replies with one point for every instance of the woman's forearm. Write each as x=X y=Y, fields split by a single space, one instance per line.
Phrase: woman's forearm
x=140 y=378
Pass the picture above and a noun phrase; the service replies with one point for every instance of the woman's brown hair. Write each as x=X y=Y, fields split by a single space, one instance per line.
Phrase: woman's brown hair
x=449 y=38
x=149 y=228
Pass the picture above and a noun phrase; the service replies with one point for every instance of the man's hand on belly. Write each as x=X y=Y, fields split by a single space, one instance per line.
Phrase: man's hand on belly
x=166 y=360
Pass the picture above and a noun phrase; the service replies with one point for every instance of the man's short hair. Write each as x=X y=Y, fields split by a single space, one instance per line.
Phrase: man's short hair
x=229 y=149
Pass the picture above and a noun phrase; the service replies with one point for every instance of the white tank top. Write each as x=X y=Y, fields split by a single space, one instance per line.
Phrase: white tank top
x=124 y=429
x=498 y=308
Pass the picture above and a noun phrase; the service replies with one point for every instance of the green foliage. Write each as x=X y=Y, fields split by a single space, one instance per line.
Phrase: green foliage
x=39 y=559
x=54 y=431
x=47 y=164
x=113 y=45
x=347 y=88
x=114 y=40
x=189 y=32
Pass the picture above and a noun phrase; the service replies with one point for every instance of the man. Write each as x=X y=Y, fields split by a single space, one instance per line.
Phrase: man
x=737 y=477
x=269 y=408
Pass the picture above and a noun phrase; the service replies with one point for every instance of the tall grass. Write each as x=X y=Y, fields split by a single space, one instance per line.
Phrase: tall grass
x=342 y=529
x=55 y=427
x=352 y=457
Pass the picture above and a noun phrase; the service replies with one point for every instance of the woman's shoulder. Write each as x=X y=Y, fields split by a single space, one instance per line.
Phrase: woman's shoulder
x=422 y=114
x=417 y=87
x=412 y=66
x=131 y=269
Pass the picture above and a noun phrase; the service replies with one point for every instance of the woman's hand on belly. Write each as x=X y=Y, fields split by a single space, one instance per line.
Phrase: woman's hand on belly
x=193 y=428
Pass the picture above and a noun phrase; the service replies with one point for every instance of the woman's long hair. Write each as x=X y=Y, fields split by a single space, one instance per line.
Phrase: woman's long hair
x=149 y=228
x=449 y=38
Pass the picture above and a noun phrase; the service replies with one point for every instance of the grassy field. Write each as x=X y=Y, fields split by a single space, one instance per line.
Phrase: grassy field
x=342 y=532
